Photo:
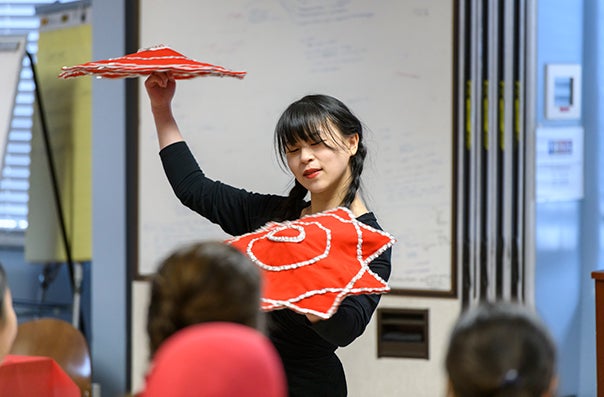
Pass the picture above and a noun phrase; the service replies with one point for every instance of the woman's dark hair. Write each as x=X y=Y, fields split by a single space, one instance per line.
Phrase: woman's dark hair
x=202 y=282
x=3 y=287
x=303 y=121
x=500 y=349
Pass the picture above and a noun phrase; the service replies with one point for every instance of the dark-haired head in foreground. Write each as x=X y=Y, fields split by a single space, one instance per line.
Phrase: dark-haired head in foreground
x=501 y=349
x=203 y=282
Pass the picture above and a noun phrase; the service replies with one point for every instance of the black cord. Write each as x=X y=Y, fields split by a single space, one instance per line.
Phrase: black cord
x=51 y=167
x=53 y=176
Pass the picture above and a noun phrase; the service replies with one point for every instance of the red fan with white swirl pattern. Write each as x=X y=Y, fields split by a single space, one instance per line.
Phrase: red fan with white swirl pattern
x=310 y=265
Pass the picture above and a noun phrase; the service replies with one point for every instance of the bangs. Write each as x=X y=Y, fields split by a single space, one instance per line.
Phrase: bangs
x=301 y=122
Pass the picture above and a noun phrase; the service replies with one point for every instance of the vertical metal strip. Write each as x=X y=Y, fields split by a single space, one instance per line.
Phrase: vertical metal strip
x=517 y=157
x=475 y=171
x=499 y=147
x=463 y=147
x=506 y=130
x=491 y=145
x=484 y=164
x=528 y=79
x=522 y=134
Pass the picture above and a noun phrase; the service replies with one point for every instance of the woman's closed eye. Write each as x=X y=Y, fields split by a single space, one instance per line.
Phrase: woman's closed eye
x=296 y=148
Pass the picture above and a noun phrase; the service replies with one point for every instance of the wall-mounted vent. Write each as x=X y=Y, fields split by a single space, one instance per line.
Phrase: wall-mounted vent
x=403 y=333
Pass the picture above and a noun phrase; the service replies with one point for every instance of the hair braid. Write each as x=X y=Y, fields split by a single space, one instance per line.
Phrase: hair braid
x=356 y=168
x=290 y=206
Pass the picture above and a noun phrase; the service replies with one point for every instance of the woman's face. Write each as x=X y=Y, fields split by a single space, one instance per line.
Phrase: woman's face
x=322 y=167
x=8 y=325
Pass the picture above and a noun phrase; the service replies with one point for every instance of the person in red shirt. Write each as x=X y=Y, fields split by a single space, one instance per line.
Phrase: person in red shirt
x=216 y=359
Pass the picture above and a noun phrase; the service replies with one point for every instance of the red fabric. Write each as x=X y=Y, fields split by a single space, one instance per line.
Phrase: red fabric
x=216 y=360
x=310 y=265
x=146 y=61
x=27 y=376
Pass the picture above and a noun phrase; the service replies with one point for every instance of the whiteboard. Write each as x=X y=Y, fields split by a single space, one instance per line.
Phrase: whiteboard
x=390 y=62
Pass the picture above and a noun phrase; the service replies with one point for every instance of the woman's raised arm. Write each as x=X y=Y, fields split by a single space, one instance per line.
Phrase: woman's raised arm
x=160 y=89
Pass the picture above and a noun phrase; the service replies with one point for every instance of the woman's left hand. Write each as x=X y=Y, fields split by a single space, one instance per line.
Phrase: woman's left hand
x=313 y=318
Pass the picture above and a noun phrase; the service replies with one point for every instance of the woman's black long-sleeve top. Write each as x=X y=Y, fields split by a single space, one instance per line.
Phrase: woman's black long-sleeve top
x=306 y=349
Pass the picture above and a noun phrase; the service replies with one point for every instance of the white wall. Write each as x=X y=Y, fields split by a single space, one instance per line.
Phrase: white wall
x=367 y=375
x=138 y=335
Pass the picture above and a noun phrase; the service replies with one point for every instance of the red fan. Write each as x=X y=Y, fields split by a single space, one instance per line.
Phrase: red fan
x=310 y=265
x=146 y=61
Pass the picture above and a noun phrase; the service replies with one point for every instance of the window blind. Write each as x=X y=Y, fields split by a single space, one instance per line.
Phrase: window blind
x=18 y=18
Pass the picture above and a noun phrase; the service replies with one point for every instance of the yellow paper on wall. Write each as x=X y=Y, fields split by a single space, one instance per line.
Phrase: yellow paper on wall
x=67 y=107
